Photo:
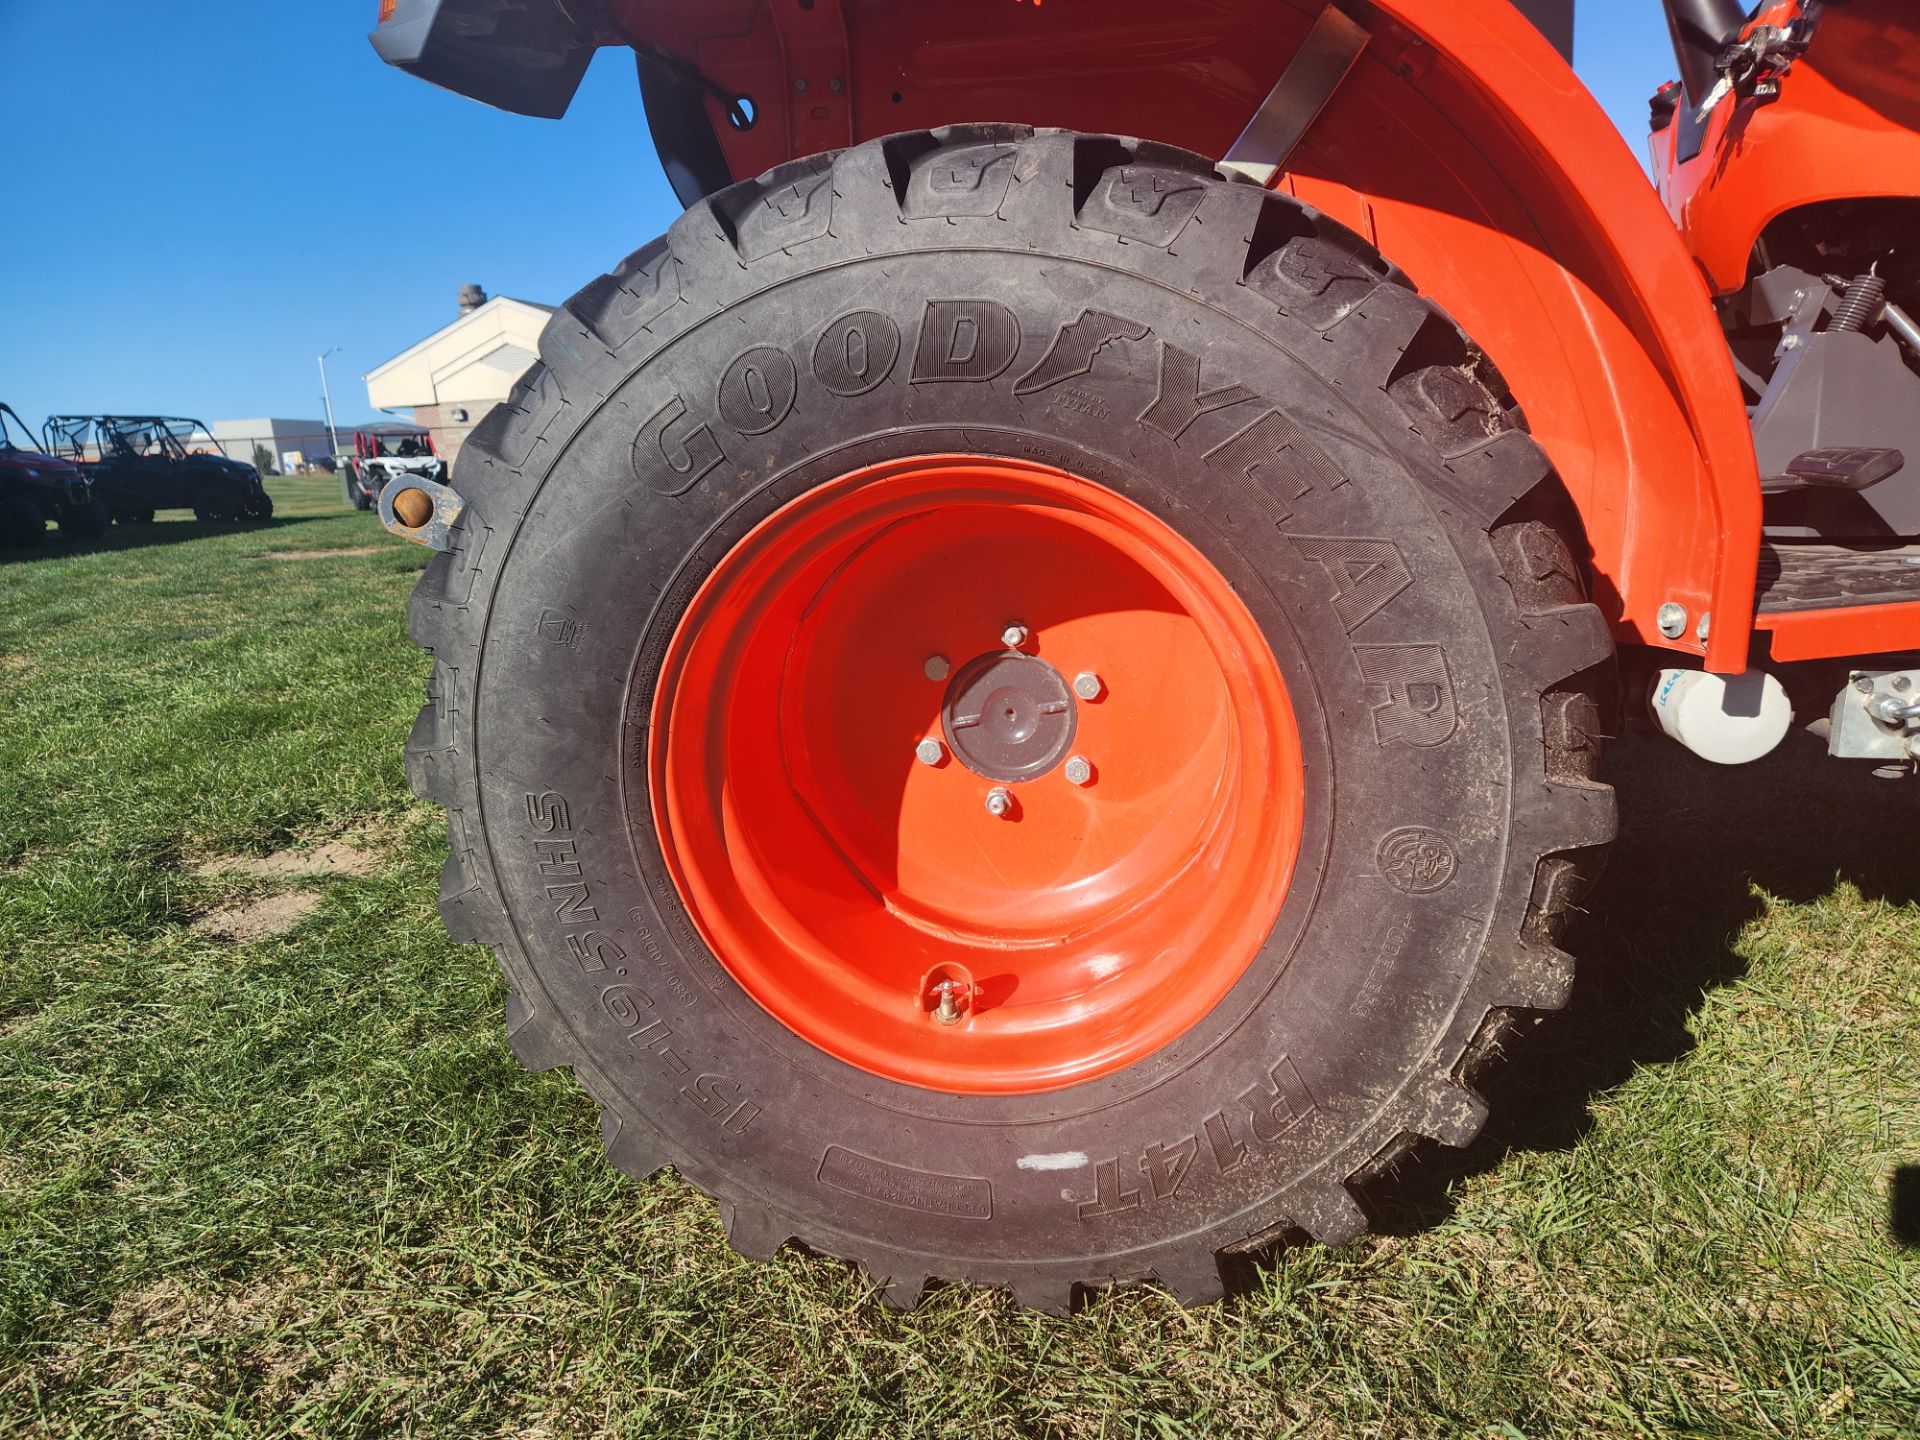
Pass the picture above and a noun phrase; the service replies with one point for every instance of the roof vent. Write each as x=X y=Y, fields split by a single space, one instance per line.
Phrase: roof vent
x=472 y=297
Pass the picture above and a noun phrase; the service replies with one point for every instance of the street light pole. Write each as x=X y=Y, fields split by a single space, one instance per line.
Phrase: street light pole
x=326 y=398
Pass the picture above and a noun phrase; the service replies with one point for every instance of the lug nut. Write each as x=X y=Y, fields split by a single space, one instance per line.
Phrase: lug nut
x=930 y=751
x=1079 y=770
x=1014 y=636
x=999 y=801
x=935 y=668
x=1087 y=685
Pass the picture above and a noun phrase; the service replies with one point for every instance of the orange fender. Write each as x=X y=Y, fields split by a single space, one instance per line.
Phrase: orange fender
x=1461 y=145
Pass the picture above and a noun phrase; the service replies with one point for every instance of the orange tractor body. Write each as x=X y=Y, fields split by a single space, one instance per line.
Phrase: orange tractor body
x=1462 y=145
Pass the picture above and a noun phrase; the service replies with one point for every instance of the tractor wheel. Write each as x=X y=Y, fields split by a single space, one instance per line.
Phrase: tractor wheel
x=85 y=522
x=21 y=523
x=1009 y=706
x=257 y=506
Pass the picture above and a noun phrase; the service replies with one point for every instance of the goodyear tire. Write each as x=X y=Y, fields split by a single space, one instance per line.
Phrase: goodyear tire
x=1222 y=368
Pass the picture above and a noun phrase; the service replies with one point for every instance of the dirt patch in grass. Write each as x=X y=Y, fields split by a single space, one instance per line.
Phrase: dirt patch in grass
x=159 y=1336
x=260 y=919
x=11 y=1020
x=337 y=858
x=324 y=554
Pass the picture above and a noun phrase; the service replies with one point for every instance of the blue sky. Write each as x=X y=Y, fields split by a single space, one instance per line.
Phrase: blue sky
x=203 y=197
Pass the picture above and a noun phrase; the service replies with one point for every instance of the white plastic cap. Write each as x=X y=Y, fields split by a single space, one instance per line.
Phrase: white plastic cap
x=1728 y=719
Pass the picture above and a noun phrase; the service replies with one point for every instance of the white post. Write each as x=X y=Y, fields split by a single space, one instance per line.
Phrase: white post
x=326 y=398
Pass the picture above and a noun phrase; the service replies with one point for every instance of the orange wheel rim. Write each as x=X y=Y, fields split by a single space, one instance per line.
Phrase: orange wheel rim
x=956 y=857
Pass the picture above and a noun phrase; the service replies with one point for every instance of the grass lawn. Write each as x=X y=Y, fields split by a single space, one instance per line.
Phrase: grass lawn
x=294 y=1183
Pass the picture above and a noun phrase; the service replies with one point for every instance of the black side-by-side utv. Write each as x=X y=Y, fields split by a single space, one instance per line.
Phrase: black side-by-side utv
x=141 y=464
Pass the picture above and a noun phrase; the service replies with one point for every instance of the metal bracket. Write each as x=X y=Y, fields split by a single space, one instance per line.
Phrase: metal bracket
x=1877 y=716
x=1298 y=96
x=436 y=531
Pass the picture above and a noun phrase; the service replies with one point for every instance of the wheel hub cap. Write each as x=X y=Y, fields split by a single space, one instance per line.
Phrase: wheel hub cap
x=1009 y=716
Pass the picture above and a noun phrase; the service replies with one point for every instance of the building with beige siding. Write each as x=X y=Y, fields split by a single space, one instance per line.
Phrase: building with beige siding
x=453 y=377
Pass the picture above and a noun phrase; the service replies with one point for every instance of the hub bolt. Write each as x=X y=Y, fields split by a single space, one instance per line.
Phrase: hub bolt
x=1079 y=770
x=1672 y=619
x=999 y=800
x=930 y=751
x=935 y=668
x=1087 y=685
x=1014 y=636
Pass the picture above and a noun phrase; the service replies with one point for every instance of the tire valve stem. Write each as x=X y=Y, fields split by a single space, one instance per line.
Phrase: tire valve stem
x=950 y=997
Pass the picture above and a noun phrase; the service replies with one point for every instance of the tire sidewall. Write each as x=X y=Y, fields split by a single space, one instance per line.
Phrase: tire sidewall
x=1362 y=975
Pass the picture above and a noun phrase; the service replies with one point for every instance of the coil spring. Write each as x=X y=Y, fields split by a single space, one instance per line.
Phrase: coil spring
x=1866 y=295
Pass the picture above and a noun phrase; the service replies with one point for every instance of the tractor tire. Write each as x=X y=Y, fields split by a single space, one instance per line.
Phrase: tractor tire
x=258 y=506
x=85 y=522
x=21 y=523
x=1146 y=966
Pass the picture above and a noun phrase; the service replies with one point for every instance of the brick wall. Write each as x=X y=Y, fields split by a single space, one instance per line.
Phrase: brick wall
x=448 y=433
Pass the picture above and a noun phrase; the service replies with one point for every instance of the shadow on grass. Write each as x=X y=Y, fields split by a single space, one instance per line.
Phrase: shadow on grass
x=1903 y=1207
x=55 y=546
x=1657 y=935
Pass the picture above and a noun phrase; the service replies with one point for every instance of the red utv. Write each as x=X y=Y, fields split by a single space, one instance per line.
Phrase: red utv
x=36 y=487
x=386 y=451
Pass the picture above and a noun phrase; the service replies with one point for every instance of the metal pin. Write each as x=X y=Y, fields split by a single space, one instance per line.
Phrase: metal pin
x=947 y=1009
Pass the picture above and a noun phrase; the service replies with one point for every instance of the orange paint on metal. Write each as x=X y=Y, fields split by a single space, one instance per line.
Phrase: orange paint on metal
x=1856 y=630
x=841 y=880
x=1845 y=125
x=1461 y=144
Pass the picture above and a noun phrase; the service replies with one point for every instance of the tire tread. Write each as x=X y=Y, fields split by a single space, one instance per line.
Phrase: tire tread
x=1381 y=333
